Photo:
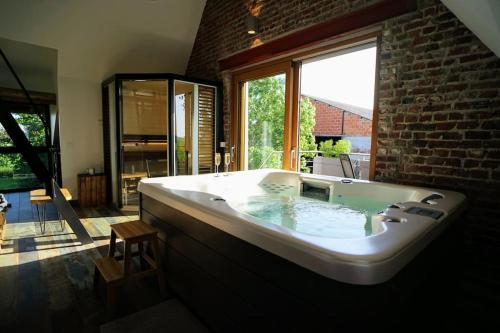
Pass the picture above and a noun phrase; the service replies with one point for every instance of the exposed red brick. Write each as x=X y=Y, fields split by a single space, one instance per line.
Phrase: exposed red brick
x=333 y=121
x=432 y=65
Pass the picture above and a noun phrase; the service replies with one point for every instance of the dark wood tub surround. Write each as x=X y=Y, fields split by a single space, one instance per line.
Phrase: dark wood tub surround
x=234 y=286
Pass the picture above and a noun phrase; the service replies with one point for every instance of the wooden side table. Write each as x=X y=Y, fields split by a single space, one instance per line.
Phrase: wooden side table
x=92 y=190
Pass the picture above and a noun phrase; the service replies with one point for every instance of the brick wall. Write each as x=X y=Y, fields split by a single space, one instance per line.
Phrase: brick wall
x=439 y=101
x=329 y=121
x=355 y=125
x=222 y=31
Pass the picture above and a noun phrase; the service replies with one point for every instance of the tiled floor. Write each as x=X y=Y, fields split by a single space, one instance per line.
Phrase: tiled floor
x=46 y=280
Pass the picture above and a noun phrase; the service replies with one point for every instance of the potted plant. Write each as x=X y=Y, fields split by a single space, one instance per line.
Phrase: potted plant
x=328 y=163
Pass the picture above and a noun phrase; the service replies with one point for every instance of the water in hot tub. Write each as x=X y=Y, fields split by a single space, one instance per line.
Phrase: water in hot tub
x=344 y=217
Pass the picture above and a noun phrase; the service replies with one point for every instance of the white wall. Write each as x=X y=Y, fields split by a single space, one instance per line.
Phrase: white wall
x=94 y=39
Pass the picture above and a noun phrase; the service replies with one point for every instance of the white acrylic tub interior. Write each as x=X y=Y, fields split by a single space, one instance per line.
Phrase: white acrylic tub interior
x=396 y=236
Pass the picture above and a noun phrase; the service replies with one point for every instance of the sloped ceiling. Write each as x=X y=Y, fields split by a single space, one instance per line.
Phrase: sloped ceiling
x=482 y=17
x=35 y=65
x=95 y=38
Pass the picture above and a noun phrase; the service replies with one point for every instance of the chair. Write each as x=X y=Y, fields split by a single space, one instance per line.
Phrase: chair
x=345 y=162
x=157 y=168
x=129 y=188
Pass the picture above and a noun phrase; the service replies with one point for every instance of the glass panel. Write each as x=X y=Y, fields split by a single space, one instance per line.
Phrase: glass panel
x=265 y=119
x=184 y=115
x=5 y=140
x=32 y=126
x=145 y=135
x=206 y=129
x=337 y=93
x=16 y=174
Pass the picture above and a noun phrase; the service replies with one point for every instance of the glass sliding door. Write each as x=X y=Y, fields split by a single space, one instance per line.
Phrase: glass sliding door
x=264 y=134
x=156 y=125
x=184 y=115
x=264 y=122
x=194 y=128
x=337 y=92
x=144 y=135
x=206 y=128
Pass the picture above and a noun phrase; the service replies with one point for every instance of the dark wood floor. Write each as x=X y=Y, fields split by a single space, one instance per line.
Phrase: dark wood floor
x=46 y=280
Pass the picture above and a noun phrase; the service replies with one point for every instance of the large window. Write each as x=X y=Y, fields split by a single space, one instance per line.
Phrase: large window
x=264 y=122
x=337 y=98
x=264 y=116
x=311 y=106
x=15 y=173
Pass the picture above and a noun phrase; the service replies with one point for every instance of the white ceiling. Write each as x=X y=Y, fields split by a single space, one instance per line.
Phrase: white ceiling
x=96 y=38
x=482 y=17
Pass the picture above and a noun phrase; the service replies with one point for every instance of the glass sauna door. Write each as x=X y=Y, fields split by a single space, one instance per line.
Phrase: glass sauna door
x=194 y=128
x=144 y=135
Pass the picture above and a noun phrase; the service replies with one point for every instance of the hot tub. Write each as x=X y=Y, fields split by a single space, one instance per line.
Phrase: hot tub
x=357 y=232
x=252 y=244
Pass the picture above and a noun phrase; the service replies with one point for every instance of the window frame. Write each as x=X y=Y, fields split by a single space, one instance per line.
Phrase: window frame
x=290 y=64
x=238 y=118
x=46 y=148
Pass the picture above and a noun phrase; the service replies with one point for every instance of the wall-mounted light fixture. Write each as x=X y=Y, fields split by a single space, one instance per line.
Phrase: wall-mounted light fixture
x=252 y=25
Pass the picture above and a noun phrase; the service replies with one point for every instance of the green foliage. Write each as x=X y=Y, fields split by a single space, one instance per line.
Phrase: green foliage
x=11 y=164
x=328 y=149
x=266 y=112
x=6 y=171
x=306 y=136
x=263 y=156
x=33 y=128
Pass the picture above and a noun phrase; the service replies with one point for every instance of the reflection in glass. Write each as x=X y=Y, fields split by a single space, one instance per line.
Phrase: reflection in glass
x=184 y=109
x=194 y=128
x=145 y=134
x=265 y=119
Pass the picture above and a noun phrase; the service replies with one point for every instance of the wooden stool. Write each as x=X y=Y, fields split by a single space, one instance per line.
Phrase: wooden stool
x=40 y=197
x=115 y=273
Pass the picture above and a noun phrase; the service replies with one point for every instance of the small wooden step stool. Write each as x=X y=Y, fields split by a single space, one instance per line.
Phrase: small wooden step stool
x=115 y=273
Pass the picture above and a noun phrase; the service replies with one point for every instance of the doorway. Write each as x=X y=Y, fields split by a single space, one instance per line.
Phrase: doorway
x=337 y=92
x=296 y=113
x=263 y=130
x=157 y=125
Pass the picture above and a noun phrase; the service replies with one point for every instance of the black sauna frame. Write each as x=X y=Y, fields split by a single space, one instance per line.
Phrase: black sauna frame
x=170 y=78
